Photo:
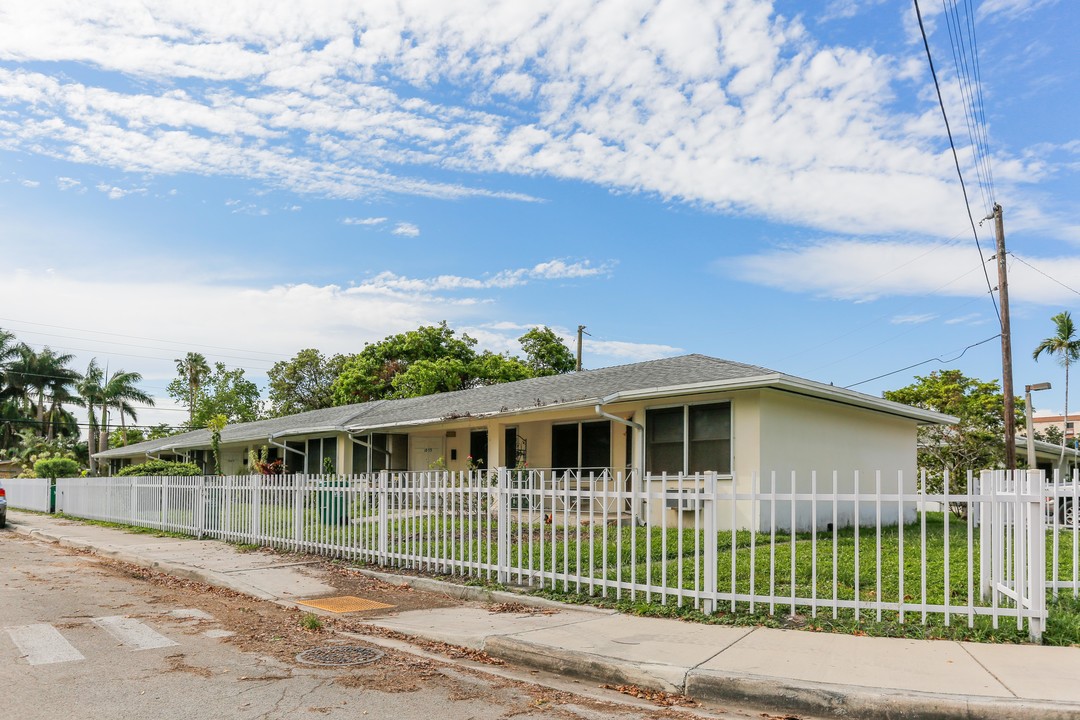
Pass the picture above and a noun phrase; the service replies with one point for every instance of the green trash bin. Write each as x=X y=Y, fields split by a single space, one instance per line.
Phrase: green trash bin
x=332 y=509
x=52 y=496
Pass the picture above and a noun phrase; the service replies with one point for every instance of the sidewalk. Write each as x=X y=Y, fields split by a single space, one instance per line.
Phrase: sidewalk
x=814 y=673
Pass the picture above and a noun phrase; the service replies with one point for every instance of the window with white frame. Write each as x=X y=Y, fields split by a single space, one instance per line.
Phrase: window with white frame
x=688 y=438
x=318 y=449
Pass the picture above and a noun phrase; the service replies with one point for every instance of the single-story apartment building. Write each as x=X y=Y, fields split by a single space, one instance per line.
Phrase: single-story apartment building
x=677 y=415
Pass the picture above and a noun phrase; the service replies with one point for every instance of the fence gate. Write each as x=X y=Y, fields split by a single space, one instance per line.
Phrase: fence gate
x=1012 y=537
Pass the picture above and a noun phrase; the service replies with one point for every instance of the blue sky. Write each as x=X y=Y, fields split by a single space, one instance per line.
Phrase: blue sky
x=768 y=182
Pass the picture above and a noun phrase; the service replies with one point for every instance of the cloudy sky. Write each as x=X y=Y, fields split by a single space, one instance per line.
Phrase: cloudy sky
x=768 y=182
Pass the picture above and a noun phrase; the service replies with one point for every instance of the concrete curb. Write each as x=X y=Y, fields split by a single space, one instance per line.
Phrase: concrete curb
x=588 y=666
x=853 y=701
x=479 y=594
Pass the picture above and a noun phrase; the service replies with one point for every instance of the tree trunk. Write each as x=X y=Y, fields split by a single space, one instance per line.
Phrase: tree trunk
x=1065 y=421
x=103 y=429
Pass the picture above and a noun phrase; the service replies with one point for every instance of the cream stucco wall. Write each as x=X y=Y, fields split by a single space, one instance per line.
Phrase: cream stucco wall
x=809 y=435
x=772 y=432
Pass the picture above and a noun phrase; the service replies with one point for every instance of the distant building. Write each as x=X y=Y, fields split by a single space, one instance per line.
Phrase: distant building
x=1041 y=423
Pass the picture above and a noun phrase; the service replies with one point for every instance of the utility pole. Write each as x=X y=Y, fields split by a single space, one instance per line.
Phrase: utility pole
x=580 y=332
x=1006 y=343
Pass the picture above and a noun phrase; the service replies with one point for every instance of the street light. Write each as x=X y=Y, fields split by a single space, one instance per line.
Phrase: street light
x=1027 y=413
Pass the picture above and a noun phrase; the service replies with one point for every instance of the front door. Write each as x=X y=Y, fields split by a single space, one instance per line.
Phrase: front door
x=426 y=452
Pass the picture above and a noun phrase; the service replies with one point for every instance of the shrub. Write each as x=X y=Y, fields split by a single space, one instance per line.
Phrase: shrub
x=53 y=468
x=161 y=467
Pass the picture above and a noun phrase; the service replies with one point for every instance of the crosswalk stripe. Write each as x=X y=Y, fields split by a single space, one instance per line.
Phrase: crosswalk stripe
x=133 y=633
x=42 y=644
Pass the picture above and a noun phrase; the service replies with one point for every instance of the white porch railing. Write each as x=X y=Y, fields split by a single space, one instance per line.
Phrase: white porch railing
x=716 y=543
x=28 y=493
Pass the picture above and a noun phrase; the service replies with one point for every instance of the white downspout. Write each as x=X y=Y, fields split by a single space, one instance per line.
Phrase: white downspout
x=640 y=455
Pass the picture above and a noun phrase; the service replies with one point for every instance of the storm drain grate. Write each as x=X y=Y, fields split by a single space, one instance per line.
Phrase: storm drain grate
x=340 y=655
x=344 y=604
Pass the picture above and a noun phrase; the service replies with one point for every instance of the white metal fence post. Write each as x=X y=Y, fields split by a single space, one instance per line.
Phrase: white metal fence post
x=502 y=496
x=986 y=534
x=708 y=603
x=164 y=502
x=256 y=508
x=384 y=520
x=1036 y=560
x=299 y=481
x=200 y=507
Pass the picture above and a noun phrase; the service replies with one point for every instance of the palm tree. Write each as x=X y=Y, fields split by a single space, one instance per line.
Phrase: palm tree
x=89 y=389
x=194 y=369
x=118 y=392
x=1066 y=346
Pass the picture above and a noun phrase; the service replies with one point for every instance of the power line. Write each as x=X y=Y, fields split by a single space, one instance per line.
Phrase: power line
x=140 y=337
x=938 y=359
x=956 y=159
x=1045 y=274
x=122 y=344
x=965 y=58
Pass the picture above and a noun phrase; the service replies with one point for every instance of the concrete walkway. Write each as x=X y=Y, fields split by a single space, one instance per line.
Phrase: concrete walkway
x=815 y=673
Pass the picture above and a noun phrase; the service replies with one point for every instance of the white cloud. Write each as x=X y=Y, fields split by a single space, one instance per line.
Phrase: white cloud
x=968 y=319
x=550 y=270
x=116 y=193
x=915 y=319
x=1011 y=9
x=406 y=230
x=30 y=183
x=724 y=104
x=67 y=183
x=364 y=221
x=863 y=270
x=230 y=322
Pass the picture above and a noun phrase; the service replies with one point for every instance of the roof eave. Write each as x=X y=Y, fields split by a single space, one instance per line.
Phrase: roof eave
x=791 y=384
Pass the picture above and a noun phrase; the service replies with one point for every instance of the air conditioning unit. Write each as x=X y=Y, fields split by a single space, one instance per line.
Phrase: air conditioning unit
x=687 y=500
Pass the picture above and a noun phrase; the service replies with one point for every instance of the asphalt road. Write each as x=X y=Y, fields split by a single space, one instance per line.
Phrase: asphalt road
x=81 y=637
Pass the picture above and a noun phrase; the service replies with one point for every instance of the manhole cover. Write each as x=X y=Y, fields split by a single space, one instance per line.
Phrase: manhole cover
x=340 y=655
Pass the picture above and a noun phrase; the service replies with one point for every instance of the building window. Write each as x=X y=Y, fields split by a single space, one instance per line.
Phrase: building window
x=387 y=452
x=689 y=439
x=581 y=447
x=317 y=450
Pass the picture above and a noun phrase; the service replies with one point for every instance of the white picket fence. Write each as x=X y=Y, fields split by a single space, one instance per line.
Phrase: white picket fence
x=678 y=540
x=28 y=493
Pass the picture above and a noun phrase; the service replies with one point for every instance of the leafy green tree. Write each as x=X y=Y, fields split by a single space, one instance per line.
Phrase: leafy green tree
x=156 y=468
x=306 y=382
x=370 y=374
x=976 y=442
x=56 y=467
x=228 y=393
x=1053 y=435
x=489 y=369
x=161 y=430
x=1066 y=347
x=427 y=377
x=546 y=353
x=192 y=371
x=124 y=437
x=215 y=425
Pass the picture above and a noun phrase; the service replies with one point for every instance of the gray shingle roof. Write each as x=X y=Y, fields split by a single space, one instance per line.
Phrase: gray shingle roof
x=558 y=389
x=552 y=391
